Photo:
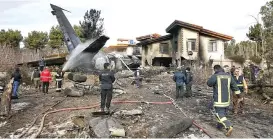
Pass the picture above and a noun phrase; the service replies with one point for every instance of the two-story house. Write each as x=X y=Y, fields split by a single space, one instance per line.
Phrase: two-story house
x=185 y=41
x=124 y=47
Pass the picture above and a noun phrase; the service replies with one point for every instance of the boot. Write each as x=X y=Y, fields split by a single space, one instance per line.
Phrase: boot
x=229 y=131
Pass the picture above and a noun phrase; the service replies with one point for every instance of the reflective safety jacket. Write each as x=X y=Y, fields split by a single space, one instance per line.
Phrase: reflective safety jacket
x=45 y=75
x=240 y=82
x=222 y=83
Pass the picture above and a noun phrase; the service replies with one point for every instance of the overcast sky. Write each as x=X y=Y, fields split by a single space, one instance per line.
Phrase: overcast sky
x=133 y=18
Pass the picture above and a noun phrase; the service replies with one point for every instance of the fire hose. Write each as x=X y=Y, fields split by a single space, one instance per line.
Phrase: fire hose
x=88 y=107
x=194 y=123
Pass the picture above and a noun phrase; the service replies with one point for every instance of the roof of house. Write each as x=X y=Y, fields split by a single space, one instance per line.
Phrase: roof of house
x=198 y=28
x=146 y=37
x=150 y=41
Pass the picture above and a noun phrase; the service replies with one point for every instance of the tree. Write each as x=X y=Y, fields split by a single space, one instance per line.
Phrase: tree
x=36 y=40
x=92 y=26
x=78 y=29
x=55 y=37
x=11 y=37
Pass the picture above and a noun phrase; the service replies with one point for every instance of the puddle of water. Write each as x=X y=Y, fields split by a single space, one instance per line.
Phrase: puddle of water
x=19 y=106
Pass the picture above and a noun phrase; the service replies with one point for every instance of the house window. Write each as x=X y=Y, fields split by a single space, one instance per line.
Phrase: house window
x=191 y=44
x=164 y=48
x=136 y=51
x=212 y=46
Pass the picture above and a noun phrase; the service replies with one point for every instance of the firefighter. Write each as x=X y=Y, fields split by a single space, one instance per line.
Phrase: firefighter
x=35 y=77
x=222 y=83
x=242 y=85
x=45 y=79
x=188 y=82
x=107 y=79
x=179 y=78
x=59 y=78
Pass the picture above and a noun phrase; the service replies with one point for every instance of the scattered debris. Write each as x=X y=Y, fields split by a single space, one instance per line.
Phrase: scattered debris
x=129 y=113
x=73 y=92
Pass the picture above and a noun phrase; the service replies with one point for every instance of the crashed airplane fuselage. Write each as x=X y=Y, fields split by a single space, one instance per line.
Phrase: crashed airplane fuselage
x=90 y=56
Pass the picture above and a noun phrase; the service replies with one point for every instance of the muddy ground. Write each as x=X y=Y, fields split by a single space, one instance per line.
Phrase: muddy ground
x=256 y=122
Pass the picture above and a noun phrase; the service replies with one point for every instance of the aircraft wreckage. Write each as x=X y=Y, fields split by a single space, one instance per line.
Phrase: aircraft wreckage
x=87 y=56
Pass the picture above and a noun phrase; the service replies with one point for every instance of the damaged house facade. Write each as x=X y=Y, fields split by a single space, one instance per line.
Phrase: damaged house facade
x=185 y=42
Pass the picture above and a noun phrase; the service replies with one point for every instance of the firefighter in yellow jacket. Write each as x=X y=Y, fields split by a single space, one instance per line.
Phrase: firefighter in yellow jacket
x=222 y=84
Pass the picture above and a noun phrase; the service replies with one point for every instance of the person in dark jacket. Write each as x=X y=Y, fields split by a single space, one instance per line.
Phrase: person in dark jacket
x=107 y=79
x=16 y=82
x=59 y=79
x=189 y=78
x=42 y=64
x=179 y=78
x=222 y=83
x=137 y=77
x=35 y=77
x=242 y=85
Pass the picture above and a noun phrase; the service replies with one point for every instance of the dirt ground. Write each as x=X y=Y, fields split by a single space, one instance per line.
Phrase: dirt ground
x=256 y=122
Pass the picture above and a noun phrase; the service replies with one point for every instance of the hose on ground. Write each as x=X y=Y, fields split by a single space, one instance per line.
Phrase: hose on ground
x=194 y=123
x=34 y=121
x=88 y=107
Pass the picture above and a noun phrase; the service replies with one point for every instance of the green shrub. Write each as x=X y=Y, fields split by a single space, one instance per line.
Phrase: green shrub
x=238 y=59
x=256 y=59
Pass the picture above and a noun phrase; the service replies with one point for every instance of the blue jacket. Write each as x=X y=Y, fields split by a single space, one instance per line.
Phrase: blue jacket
x=222 y=83
x=179 y=78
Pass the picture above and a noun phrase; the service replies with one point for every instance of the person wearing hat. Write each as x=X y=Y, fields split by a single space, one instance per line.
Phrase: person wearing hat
x=35 y=77
x=107 y=79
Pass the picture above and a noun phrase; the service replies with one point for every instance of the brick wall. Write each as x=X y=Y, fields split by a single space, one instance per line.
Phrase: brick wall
x=9 y=57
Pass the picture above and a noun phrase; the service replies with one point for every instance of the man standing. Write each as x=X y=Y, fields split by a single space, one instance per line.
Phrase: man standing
x=179 y=78
x=241 y=83
x=137 y=77
x=107 y=79
x=42 y=64
x=222 y=83
x=16 y=82
x=59 y=78
x=232 y=70
x=188 y=82
x=45 y=78
x=35 y=77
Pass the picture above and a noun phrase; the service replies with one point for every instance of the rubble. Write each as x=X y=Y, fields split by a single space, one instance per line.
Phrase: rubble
x=104 y=127
x=76 y=77
x=73 y=92
x=129 y=112
x=170 y=128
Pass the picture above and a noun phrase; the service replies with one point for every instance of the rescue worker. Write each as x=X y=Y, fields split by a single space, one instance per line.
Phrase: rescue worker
x=222 y=83
x=16 y=82
x=226 y=69
x=137 y=77
x=188 y=82
x=45 y=79
x=107 y=79
x=242 y=85
x=35 y=77
x=59 y=78
x=179 y=78
x=42 y=64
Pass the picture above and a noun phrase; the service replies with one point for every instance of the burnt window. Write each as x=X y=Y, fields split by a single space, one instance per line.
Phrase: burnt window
x=212 y=46
x=164 y=48
x=136 y=51
x=191 y=44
